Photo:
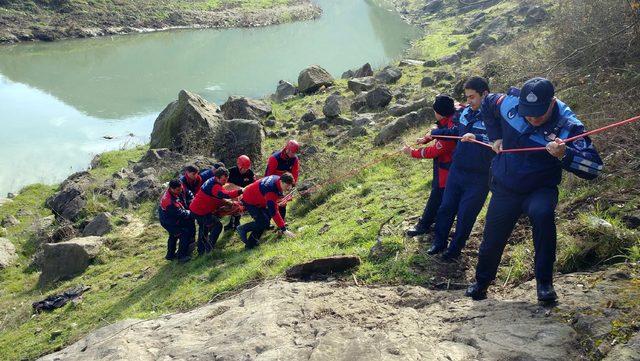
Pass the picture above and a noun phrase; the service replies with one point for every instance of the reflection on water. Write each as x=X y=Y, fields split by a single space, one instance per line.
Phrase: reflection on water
x=57 y=100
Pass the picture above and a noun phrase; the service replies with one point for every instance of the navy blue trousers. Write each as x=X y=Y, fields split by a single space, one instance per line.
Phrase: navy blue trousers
x=504 y=210
x=209 y=229
x=183 y=233
x=463 y=198
x=431 y=209
x=260 y=223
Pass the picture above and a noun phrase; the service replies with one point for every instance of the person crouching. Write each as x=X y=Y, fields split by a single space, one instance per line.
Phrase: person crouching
x=260 y=199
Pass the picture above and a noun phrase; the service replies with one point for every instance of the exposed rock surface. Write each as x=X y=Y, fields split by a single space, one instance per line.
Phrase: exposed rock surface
x=7 y=253
x=98 y=226
x=64 y=260
x=331 y=321
x=396 y=128
x=71 y=200
x=284 y=91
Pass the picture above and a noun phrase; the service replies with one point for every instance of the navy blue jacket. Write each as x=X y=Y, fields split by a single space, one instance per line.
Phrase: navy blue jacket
x=172 y=210
x=470 y=157
x=527 y=171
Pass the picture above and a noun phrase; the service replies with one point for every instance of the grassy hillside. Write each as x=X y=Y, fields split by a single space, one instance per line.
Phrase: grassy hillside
x=370 y=209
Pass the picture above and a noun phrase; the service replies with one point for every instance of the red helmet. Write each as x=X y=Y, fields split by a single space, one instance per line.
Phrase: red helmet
x=292 y=146
x=244 y=162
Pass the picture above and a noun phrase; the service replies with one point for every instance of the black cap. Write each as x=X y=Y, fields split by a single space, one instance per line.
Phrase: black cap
x=444 y=105
x=535 y=97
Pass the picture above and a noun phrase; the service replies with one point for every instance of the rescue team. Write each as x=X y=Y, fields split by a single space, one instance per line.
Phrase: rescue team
x=463 y=174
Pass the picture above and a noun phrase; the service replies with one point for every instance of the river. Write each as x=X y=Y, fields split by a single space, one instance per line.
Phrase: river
x=63 y=102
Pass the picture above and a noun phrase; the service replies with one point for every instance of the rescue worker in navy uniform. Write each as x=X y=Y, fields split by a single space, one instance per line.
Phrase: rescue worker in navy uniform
x=261 y=201
x=177 y=220
x=527 y=182
x=441 y=151
x=191 y=182
x=285 y=161
x=239 y=176
x=211 y=196
x=468 y=184
x=207 y=174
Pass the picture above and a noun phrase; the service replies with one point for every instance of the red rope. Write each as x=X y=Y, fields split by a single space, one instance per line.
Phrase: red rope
x=384 y=157
x=568 y=140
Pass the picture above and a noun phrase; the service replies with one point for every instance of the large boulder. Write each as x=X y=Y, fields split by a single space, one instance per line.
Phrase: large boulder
x=237 y=137
x=389 y=75
x=99 y=225
x=361 y=72
x=64 y=260
x=396 y=128
x=358 y=85
x=191 y=125
x=313 y=78
x=7 y=253
x=284 y=91
x=70 y=201
x=245 y=108
x=379 y=97
x=187 y=125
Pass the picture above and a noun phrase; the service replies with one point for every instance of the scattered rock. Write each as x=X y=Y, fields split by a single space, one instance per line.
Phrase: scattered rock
x=536 y=15
x=358 y=85
x=396 y=128
x=70 y=201
x=359 y=102
x=8 y=253
x=245 y=108
x=389 y=75
x=363 y=71
x=399 y=110
x=430 y=64
x=598 y=223
x=450 y=59
x=313 y=78
x=427 y=81
x=99 y=225
x=65 y=260
x=362 y=121
x=411 y=62
x=478 y=41
x=332 y=133
x=9 y=221
x=331 y=107
x=62 y=233
x=433 y=6
x=357 y=131
x=378 y=98
x=309 y=116
x=11 y=195
x=323 y=266
x=632 y=220
x=284 y=91
x=270 y=123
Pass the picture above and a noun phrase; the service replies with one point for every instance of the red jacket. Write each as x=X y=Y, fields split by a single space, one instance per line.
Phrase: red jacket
x=279 y=163
x=441 y=152
x=210 y=197
x=264 y=193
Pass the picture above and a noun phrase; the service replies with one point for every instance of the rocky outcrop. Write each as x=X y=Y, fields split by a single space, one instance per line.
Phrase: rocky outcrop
x=64 y=260
x=245 y=108
x=334 y=321
x=187 y=125
x=313 y=78
x=191 y=125
x=7 y=253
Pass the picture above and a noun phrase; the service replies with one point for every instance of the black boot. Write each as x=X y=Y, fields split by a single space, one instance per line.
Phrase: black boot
x=450 y=255
x=546 y=293
x=416 y=231
x=476 y=291
x=435 y=249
